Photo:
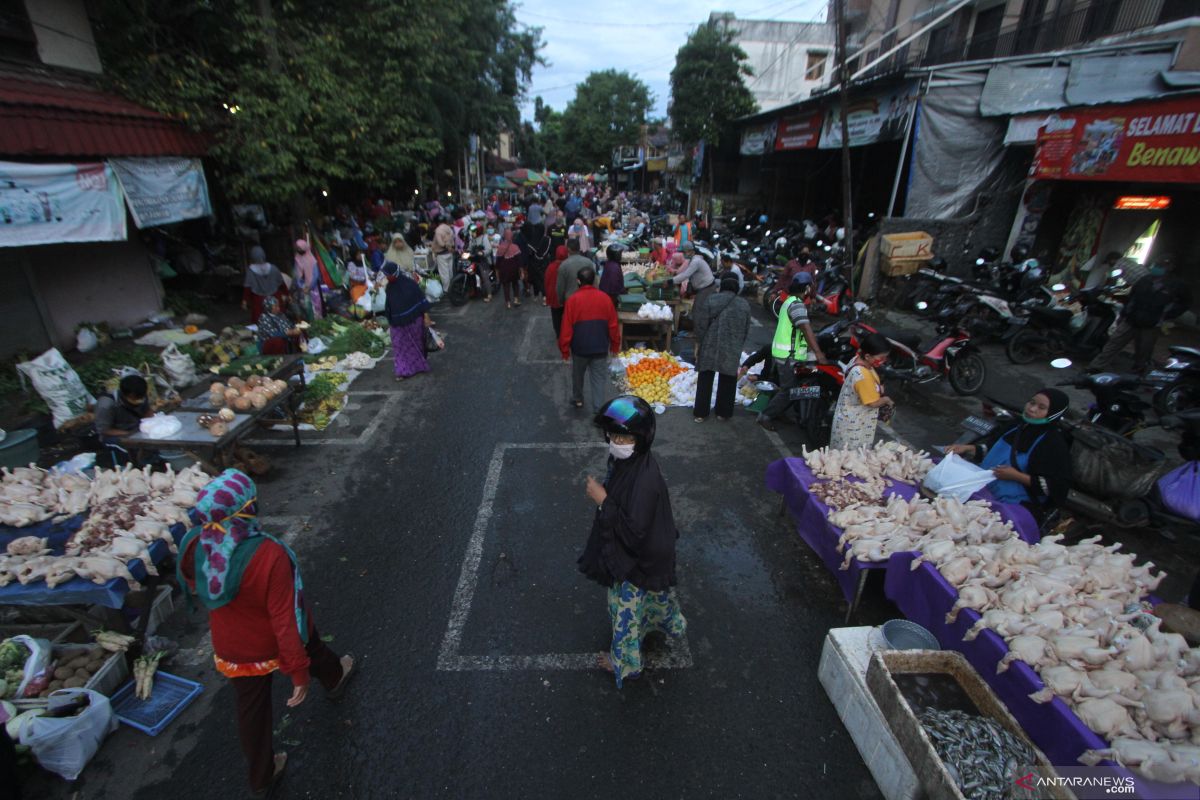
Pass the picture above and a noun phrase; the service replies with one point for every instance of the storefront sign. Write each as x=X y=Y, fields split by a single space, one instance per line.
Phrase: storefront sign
x=758 y=139
x=163 y=190
x=1132 y=202
x=1155 y=142
x=876 y=118
x=56 y=203
x=799 y=131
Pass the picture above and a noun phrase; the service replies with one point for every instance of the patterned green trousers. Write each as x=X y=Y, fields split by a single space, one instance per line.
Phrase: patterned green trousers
x=634 y=613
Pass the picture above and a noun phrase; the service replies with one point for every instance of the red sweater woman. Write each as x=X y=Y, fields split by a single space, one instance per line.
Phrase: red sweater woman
x=251 y=584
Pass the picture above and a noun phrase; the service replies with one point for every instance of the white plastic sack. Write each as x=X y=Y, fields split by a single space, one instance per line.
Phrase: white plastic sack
x=64 y=745
x=85 y=340
x=36 y=674
x=958 y=478
x=58 y=385
x=160 y=426
x=178 y=366
x=433 y=289
x=316 y=345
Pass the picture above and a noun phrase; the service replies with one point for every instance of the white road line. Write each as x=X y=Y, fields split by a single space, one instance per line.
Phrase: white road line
x=523 y=356
x=449 y=658
x=345 y=441
x=777 y=440
x=890 y=431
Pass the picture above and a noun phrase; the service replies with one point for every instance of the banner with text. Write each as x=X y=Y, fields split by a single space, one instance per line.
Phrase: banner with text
x=875 y=118
x=758 y=139
x=1154 y=142
x=163 y=190
x=56 y=203
x=799 y=131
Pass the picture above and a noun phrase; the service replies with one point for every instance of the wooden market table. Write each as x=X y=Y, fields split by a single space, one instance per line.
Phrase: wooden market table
x=659 y=329
x=194 y=439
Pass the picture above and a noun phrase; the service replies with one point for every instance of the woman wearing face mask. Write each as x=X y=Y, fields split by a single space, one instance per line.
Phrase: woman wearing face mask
x=861 y=400
x=631 y=549
x=1031 y=460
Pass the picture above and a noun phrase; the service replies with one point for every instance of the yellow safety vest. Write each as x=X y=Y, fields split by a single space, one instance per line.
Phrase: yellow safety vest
x=785 y=344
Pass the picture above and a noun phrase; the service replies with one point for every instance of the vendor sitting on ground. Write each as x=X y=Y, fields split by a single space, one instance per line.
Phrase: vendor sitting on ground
x=276 y=334
x=1031 y=459
x=118 y=415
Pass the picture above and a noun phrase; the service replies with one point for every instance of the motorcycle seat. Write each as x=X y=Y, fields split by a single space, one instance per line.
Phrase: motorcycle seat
x=907 y=338
x=1188 y=352
x=1057 y=317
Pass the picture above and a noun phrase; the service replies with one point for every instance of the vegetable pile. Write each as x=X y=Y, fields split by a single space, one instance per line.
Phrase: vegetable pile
x=12 y=666
x=143 y=674
x=322 y=398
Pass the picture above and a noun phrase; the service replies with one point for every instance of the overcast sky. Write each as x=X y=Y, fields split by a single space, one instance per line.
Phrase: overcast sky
x=633 y=35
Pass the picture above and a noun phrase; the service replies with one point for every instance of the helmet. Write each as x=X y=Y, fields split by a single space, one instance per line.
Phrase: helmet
x=1019 y=253
x=938 y=263
x=800 y=282
x=762 y=219
x=628 y=414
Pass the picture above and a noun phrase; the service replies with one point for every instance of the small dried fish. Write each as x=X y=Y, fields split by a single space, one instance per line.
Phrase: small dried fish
x=978 y=753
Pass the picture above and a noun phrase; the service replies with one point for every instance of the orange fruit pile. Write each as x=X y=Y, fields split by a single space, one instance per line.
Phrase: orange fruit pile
x=648 y=378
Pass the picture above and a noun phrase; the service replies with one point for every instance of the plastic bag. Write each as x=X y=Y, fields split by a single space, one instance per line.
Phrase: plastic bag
x=85 y=340
x=64 y=745
x=433 y=289
x=160 y=426
x=36 y=674
x=1106 y=465
x=178 y=366
x=1180 y=491
x=58 y=385
x=958 y=478
x=316 y=345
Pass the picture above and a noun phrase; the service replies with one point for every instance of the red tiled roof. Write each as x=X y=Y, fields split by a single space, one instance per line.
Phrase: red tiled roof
x=50 y=114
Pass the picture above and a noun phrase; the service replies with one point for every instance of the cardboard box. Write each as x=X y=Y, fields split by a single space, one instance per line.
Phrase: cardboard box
x=917 y=244
x=893 y=267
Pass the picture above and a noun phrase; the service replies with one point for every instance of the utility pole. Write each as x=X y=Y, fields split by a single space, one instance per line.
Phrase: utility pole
x=843 y=79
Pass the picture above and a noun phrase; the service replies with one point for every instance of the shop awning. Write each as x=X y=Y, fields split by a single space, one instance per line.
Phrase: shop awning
x=51 y=114
x=1086 y=81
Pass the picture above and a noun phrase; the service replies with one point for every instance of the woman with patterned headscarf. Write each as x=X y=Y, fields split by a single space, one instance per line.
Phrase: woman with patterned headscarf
x=250 y=582
x=307 y=283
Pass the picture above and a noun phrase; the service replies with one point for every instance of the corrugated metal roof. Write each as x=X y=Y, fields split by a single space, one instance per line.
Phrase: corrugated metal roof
x=45 y=113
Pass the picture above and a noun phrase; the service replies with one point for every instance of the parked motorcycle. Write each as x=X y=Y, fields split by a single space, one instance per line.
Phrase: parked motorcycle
x=951 y=355
x=1077 y=327
x=813 y=397
x=1116 y=408
x=1178 y=382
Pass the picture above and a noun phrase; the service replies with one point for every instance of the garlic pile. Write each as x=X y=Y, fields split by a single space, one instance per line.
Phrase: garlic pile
x=932 y=528
x=1072 y=612
x=358 y=361
x=655 y=311
x=29 y=495
x=871 y=464
x=129 y=510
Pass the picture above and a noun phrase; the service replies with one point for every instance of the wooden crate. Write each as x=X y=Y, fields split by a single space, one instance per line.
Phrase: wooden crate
x=914 y=741
x=917 y=244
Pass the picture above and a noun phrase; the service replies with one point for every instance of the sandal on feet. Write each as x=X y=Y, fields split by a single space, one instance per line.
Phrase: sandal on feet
x=280 y=765
x=348 y=672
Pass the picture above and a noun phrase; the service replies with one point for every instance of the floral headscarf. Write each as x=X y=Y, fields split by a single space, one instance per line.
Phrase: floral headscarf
x=226 y=524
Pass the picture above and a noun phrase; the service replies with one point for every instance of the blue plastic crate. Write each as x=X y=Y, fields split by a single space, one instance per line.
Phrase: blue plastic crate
x=170 y=696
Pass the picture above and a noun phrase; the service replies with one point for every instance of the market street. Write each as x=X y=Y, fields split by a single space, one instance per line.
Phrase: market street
x=483 y=685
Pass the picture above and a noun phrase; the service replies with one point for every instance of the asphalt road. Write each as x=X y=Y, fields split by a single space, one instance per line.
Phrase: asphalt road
x=438 y=521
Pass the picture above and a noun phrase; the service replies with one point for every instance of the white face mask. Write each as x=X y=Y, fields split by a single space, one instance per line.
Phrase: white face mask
x=620 y=451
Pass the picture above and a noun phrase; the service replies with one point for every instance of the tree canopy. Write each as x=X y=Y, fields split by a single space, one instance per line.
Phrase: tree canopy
x=297 y=94
x=608 y=110
x=708 y=90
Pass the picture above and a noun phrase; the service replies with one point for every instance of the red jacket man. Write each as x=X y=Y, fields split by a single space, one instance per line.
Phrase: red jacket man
x=589 y=332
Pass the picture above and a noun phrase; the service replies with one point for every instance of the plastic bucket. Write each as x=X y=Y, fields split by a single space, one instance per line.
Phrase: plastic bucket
x=19 y=448
x=900 y=634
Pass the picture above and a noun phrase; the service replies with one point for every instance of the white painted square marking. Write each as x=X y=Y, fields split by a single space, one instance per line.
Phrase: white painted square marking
x=679 y=655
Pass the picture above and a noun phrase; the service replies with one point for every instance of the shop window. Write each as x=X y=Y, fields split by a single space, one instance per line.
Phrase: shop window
x=816 y=66
x=1139 y=251
x=17 y=41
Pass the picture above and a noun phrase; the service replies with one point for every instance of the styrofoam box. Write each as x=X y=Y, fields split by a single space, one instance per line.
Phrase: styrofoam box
x=843 y=673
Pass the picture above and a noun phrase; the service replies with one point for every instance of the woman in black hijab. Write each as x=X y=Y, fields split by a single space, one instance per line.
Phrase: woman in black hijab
x=1031 y=460
x=631 y=549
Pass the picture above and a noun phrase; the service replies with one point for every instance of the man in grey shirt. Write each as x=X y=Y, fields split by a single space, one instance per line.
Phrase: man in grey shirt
x=568 y=271
x=700 y=280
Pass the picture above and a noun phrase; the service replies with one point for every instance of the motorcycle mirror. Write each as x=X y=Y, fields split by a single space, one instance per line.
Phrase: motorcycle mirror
x=1058 y=287
x=1061 y=363
x=922 y=305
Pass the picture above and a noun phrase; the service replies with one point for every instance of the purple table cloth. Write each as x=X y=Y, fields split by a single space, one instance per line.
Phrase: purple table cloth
x=791 y=477
x=925 y=597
